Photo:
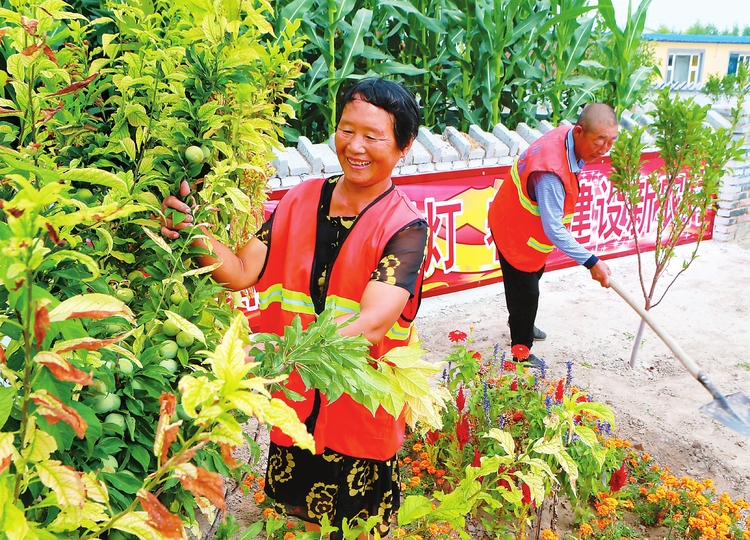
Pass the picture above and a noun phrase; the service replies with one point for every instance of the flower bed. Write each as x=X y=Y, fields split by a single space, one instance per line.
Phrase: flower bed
x=515 y=444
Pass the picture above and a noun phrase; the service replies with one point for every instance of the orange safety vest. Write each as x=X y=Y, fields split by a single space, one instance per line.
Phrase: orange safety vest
x=514 y=218
x=344 y=426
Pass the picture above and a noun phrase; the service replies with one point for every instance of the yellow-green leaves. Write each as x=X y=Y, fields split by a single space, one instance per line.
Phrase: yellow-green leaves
x=90 y=306
x=64 y=482
x=409 y=378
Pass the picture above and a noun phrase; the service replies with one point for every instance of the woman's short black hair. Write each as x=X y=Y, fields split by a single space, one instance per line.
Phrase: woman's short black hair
x=391 y=97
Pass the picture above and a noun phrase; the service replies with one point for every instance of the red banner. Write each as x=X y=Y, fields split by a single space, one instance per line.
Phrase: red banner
x=461 y=253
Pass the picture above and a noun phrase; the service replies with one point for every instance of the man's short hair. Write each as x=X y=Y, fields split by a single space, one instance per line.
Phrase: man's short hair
x=597 y=114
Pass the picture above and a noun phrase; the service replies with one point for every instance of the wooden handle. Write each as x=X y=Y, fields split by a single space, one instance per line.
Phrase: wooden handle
x=681 y=355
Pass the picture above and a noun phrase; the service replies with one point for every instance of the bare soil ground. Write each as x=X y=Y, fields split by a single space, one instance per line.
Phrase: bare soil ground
x=706 y=311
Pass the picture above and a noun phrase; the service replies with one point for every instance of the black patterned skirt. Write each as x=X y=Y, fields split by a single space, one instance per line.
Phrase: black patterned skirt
x=307 y=486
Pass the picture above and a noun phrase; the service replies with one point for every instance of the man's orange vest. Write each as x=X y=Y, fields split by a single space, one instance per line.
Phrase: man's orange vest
x=514 y=218
x=344 y=426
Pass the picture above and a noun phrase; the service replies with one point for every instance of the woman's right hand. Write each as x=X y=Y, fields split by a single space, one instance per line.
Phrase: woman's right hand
x=168 y=228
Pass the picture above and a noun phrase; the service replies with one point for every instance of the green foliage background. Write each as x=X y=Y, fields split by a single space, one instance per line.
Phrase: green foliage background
x=469 y=62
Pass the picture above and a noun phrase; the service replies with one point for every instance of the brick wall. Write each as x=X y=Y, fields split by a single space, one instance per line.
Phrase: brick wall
x=732 y=220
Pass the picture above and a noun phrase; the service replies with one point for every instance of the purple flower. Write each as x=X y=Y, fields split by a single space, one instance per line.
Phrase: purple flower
x=569 y=378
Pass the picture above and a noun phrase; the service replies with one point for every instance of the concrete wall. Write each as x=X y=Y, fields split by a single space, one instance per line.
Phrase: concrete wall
x=715 y=56
x=732 y=220
x=476 y=149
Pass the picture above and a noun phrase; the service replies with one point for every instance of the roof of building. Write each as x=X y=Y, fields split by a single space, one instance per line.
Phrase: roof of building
x=695 y=38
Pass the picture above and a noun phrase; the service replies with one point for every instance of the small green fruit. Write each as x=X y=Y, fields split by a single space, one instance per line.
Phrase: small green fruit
x=168 y=349
x=116 y=419
x=126 y=295
x=84 y=195
x=169 y=364
x=135 y=274
x=194 y=154
x=206 y=152
x=137 y=385
x=100 y=386
x=184 y=339
x=170 y=328
x=126 y=366
x=107 y=403
x=176 y=297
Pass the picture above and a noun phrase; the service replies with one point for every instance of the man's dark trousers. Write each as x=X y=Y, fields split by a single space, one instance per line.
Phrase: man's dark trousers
x=522 y=300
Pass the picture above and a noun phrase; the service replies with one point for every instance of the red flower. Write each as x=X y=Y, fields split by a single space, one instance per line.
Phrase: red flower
x=526 y=490
x=477 y=461
x=460 y=399
x=509 y=366
x=559 y=391
x=462 y=431
x=456 y=335
x=581 y=398
x=619 y=479
x=514 y=384
x=520 y=352
x=432 y=436
x=476 y=355
x=502 y=482
x=517 y=417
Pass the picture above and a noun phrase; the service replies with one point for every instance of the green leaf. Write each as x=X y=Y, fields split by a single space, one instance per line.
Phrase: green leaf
x=413 y=508
x=7 y=394
x=96 y=176
x=125 y=481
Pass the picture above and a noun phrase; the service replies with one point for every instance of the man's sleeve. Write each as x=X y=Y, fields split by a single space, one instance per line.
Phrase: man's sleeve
x=550 y=195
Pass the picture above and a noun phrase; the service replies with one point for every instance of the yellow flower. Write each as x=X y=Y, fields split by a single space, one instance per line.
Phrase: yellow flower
x=587 y=530
x=708 y=483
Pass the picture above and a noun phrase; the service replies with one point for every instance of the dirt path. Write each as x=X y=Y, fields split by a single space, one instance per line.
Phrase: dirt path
x=707 y=312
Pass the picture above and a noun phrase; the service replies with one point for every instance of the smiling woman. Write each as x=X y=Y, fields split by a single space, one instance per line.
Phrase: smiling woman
x=354 y=244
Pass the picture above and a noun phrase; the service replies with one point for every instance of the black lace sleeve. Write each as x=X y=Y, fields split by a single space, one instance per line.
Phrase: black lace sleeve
x=264 y=233
x=403 y=257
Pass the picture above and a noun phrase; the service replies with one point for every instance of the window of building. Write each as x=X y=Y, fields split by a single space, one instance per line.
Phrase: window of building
x=684 y=66
x=736 y=58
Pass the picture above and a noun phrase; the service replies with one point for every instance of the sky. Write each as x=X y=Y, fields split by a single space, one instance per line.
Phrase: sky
x=680 y=14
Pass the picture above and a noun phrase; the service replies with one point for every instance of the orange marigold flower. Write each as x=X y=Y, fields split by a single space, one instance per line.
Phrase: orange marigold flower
x=643 y=491
x=261 y=483
x=417 y=447
x=288 y=535
x=440 y=481
x=269 y=512
x=586 y=529
x=290 y=524
x=417 y=537
x=424 y=464
x=440 y=473
x=400 y=462
x=547 y=534
x=407 y=460
x=414 y=481
x=259 y=497
x=601 y=524
x=424 y=455
x=434 y=530
x=403 y=486
x=708 y=483
x=646 y=457
x=431 y=469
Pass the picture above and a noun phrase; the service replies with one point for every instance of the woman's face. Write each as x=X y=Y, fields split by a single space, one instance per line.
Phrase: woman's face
x=366 y=145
